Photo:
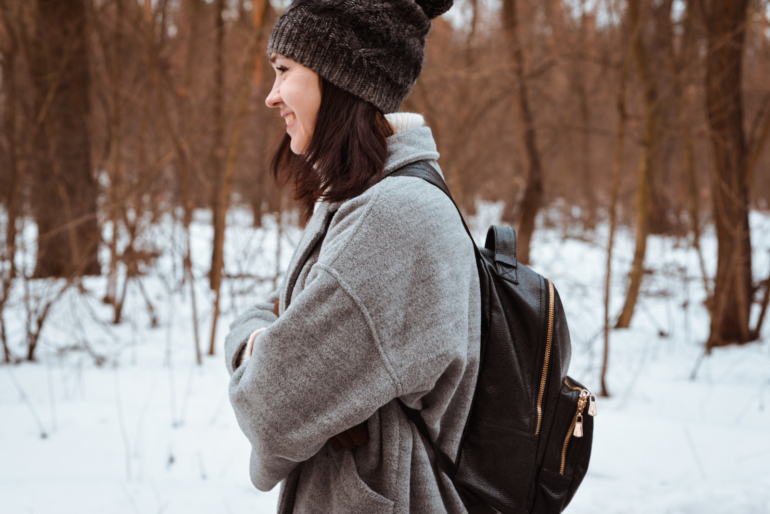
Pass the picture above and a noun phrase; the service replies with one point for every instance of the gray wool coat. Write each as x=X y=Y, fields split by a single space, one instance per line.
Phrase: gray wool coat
x=386 y=307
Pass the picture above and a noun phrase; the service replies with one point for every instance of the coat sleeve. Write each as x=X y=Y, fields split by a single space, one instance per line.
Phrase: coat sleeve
x=315 y=372
x=259 y=316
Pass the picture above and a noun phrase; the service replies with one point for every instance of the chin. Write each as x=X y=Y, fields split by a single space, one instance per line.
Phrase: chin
x=297 y=148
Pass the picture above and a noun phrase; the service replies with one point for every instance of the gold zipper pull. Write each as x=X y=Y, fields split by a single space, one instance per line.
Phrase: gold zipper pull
x=592 y=406
x=579 y=418
x=577 y=423
x=579 y=426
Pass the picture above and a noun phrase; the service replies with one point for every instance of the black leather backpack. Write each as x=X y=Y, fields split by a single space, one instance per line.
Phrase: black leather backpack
x=527 y=442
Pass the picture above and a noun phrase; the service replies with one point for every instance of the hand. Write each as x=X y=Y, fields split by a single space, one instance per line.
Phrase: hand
x=250 y=344
x=246 y=355
x=351 y=438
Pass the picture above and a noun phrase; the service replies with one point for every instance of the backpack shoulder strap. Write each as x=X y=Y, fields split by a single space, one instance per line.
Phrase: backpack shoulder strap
x=444 y=461
x=501 y=241
x=425 y=171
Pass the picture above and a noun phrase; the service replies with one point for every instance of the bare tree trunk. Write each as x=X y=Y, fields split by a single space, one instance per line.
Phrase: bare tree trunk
x=725 y=22
x=65 y=189
x=587 y=181
x=455 y=175
x=763 y=309
x=115 y=148
x=690 y=169
x=617 y=167
x=649 y=147
x=11 y=179
x=8 y=357
x=217 y=152
x=185 y=175
x=232 y=152
x=183 y=168
x=532 y=198
x=660 y=212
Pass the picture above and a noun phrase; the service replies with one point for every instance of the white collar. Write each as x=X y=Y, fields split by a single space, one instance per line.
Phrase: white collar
x=401 y=121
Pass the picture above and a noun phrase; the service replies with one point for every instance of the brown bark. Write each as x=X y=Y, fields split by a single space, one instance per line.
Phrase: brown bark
x=763 y=309
x=185 y=177
x=581 y=90
x=10 y=179
x=677 y=63
x=649 y=147
x=617 y=166
x=659 y=213
x=725 y=22
x=10 y=176
x=217 y=152
x=65 y=192
x=183 y=164
x=114 y=166
x=223 y=201
x=532 y=198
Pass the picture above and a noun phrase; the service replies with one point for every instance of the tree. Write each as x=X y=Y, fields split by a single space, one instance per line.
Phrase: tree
x=218 y=149
x=225 y=188
x=725 y=26
x=650 y=142
x=532 y=198
x=65 y=192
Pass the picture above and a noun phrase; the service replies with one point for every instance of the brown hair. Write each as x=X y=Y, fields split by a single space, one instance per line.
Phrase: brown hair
x=347 y=150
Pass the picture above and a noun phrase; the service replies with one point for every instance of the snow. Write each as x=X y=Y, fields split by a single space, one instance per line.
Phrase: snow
x=149 y=431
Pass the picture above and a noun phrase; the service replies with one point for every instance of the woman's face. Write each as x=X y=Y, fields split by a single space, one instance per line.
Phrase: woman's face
x=297 y=93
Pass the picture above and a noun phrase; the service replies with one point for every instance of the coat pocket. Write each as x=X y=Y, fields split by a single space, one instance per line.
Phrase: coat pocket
x=357 y=496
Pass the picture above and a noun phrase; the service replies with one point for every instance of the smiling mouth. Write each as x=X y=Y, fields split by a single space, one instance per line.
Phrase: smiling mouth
x=289 y=118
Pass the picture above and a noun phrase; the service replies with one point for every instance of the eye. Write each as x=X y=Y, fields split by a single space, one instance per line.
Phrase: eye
x=282 y=68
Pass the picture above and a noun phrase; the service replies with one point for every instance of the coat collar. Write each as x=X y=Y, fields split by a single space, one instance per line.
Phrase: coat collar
x=405 y=147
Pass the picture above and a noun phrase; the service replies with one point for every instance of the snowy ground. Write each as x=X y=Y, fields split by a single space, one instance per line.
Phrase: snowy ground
x=148 y=431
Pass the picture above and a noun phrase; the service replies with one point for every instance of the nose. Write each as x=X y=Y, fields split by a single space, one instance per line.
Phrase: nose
x=274 y=98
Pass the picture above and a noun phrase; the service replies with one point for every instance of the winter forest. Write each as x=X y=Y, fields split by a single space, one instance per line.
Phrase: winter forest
x=625 y=140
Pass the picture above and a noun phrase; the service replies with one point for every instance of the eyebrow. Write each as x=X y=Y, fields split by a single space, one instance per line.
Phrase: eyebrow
x=273 y=58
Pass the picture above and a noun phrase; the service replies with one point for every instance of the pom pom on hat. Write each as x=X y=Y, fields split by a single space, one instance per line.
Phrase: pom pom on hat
x=434 y=8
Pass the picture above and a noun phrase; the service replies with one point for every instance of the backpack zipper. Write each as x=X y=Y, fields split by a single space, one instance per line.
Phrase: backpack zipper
x=548 y=341
x=576 y=428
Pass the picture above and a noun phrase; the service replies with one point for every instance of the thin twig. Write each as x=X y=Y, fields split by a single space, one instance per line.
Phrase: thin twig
x=26 y=400
x=122 y=423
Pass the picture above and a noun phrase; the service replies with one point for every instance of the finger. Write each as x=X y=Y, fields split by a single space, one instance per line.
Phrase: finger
x=359 y=434
x=346 y=441
x=335 y=444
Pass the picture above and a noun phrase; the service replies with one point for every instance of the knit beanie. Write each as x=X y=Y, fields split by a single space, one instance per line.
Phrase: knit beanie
x=373 y=49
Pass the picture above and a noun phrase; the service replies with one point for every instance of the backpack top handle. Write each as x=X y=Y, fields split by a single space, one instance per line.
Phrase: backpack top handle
x=502 y=242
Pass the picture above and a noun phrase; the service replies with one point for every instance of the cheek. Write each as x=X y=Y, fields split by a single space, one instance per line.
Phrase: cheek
x=309 y=103
x=306 y=117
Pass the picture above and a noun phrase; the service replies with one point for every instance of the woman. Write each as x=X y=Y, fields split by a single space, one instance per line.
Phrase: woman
x=381 y=299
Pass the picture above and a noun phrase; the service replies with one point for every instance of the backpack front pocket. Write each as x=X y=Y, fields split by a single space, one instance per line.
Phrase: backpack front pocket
x=568 y=448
